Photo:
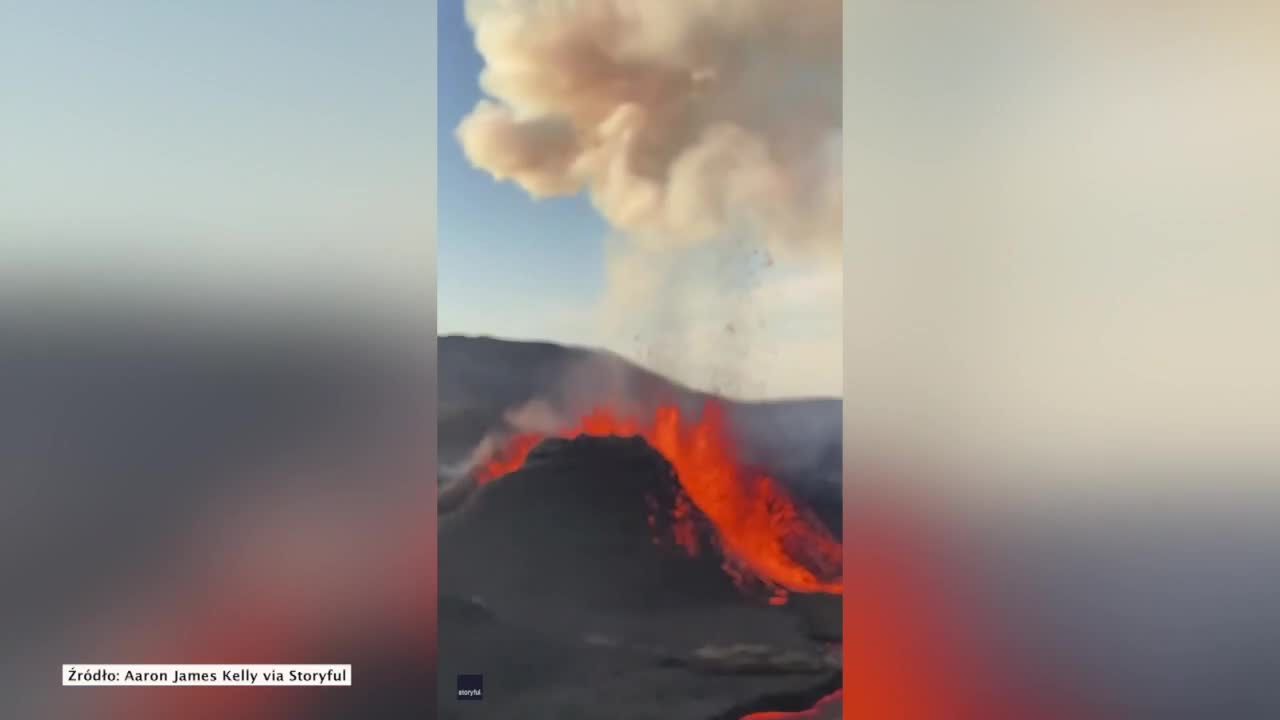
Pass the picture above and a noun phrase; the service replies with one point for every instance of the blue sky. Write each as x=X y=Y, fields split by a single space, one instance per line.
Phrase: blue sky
x=508 y=265
x=554 y=269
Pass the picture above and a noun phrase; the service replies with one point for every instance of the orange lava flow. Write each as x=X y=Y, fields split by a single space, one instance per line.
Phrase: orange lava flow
x=760 y=527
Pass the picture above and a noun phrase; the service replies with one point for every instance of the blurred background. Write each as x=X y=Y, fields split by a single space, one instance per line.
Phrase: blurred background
x=217 y=352
x=1062 y=246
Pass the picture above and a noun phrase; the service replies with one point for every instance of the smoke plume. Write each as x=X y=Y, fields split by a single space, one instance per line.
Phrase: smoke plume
x=708 y=133
x=683 y=120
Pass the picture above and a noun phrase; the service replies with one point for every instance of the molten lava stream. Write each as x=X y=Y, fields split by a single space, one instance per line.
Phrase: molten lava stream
x=758 y=524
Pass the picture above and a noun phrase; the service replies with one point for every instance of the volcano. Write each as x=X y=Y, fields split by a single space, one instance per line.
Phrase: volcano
x=574 y=521
x=555 y=582
x=765 y=536
x=481 y=379
x=621 y=562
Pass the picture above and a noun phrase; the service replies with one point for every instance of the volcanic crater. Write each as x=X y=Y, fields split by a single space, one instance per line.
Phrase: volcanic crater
x=571 y=582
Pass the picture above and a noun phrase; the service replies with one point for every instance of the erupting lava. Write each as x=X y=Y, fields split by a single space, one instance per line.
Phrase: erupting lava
x=761 y=530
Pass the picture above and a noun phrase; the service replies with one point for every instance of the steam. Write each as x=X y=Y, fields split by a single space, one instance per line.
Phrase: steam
x=799 y=441
x=599 y=380
x=685 y=121
x=708 y=133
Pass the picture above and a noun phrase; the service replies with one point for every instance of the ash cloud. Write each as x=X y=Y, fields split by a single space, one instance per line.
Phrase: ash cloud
x=682 y=120
x=708 y=133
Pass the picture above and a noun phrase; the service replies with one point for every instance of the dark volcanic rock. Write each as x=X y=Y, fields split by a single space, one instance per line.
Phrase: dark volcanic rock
x=823 y=616
x=813 y=698
x=571 y=532
x=570 y=597
x=746 y=659
x=799 y=441
x=454 y=494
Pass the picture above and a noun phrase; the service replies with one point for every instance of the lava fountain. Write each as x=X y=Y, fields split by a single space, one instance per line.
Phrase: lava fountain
x=764 y=533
